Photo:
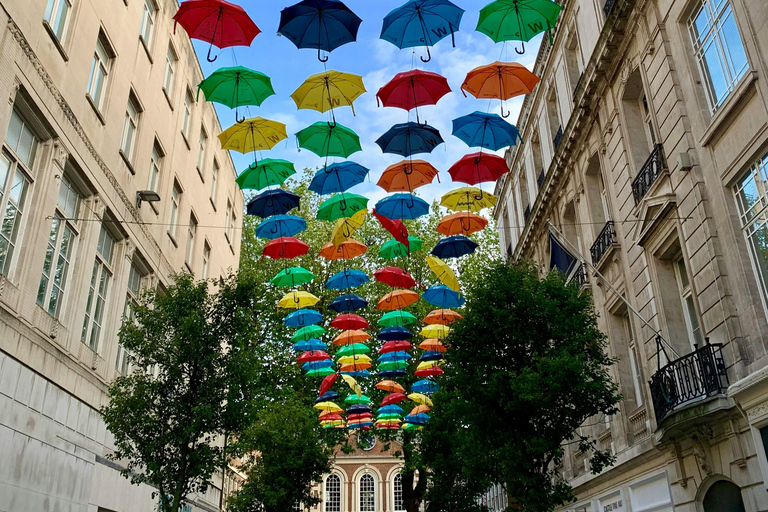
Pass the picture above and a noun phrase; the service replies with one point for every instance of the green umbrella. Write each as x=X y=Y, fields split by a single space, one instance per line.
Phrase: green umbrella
x=353 y=349
x=517 y=20
x=329 y=139
x=393 y=249
x=320 y=372
x=236 y=86
x=354 y=399
x=410 y=426
x=341 y=205
x=307 y=333
x=397 y=318
x=293 y=276
x=393 y=365
x=266 y=172
x=389 y=416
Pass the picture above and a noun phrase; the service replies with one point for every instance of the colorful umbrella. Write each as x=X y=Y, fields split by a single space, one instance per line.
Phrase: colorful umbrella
x=437 y=331
x=266 y=172
x=330 y=416
x=297 y=300
x=321 y=24
x=349 y=321
x=393 y=249
x=344 y=251
x=461 y=223
x=285 y=247
x=355 y=367
x=328 y=407
x=444 y=273
x=313 y=355
x=395 y=346
x=346 y=279
x=392 y=365
x=272 y=202
x=394 y=333
x=501 y=80
x=468 y=198
x=352 y=383
x=407 y=176
x=417 y=419
x=393 y=398
x=310 y=345
x=236 y=86
x=395 y=227
x=443 y=297
x=303 y=317
x=406 y=139
x=355 y=348
x=337 y=177
x=341 y=205
x=294 y=276
x=428 y=364
x=354 y=359
x=349 y=302
x=413 y=89
x=392 y=374
x=397 y=299
x=419 y=409
x=478 y=168
x=431 y=371
x=517 y=20
x=395 y=277
x=350 y=337
x=489 y=131
x=442 y=316
x=454 y=247
x=356 y=373
x=220 y=23
x=421 y=23
x=425 y=386
x=254 y=134
x=391 y=409
x=392 y=387
x=326 y=384
x=433 y=344
x=410 y=426
x=402 y=206
x=307 y=333
x=401 y=318
x=346 y=227
x=327 y=90
x=280 y=226
x=320 y=372
x=432 y=355
x=329 y=139
x=397 y=355
x=327 y=397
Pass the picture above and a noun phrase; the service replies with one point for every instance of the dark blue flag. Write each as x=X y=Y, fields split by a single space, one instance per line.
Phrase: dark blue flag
x=560 y=258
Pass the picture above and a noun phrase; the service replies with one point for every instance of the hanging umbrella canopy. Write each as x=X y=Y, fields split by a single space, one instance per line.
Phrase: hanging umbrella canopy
x=254 y=134
x=353 y=385
x=417 y=419
x=220 y=23
x=329 y=139
x=294 y=276
x=236 y=86
x=344 y=251
x=478 y=168
x=392 y=387
x=327 y=397
x=395 y=346
x=397 y=355
x=395 y=277
x=397 y=299
x=413 y=89
x=272 y=202
x=461 y=223
x=297 y=300
x=313 y=355
x=393 y=249
x=327 y=90
x=406 y=139
x=346 y=227
x=266 y=172
x=330 y=416
x=454 y=247
x=428 y=364
x=401 y=318
x=350 y=337
x=437 y=331
x=517 y=20
x=433 y=344
x=500 y=80
x=402 y=206
x=443 y=297
x=489 y=131
x=302 y=318
x=346 y=279
x=394 y=333
x=353 y=349
x=327 y=383
x=432 y=355
x=354 y=399
x=317 y=365
x=285 y=247
x=395 y=227
x=392 y=374
x=360 y=374
x=425 y=386
x=419 y=409
x=421 y=23
x=341 y=205
x=392 y=365
x=468 y=198
x=349 y=322
x=349 y=302
x=442 y=316
x=393 y=398
x=407 y=427
x=407 y=176
x=431 y=371
x=313 y=344
x=327 y=406
x=319 y=24
x=307 y=333
x=390 y=409
x=354 y=367
x=354 y=359
x=280 y=226
x=337 y=177
x=444 y=273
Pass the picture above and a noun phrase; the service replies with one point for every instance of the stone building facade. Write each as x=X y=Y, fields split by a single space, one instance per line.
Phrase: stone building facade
x=646 y=149
x=97 y=105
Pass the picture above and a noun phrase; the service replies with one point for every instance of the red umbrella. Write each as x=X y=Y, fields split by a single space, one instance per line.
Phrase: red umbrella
x=329 y=416
x=285 y=247
x=433 y=371
x=395 y=346
x=413 y=89
x=395 y=227
x=313 y=355
x=327 y=383
x=478 y=167
x=218 y=22
x=349 y=322
x=393 y=398
x=359 y=416
x=395 y=277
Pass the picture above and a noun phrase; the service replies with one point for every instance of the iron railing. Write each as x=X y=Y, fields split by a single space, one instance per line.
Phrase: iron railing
x=580 y=276
x=648 y=173
x=605 y=240
x=608 y=6
x=558 y=136
x=699 y=374
x=540 y=179
x=527 y=213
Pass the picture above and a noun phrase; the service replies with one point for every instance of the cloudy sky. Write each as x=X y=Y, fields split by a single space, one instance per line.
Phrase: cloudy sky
x=377 y=61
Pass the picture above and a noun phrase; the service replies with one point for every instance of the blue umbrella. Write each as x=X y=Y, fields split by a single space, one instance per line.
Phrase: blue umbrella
x=365 y=424
x=394 y=333
x=424 y=386
x=327 y=396
x=454 y=247
x=272 y=202
x=348 y=302
x=390 y=409
x=358 y=408
x=443 y=297
x=321 y=24
x=417 y=419
x=394 y=356
x=410 y=138
x=392 y=374
x=346 y=279
x=432 y=355
x=280 y=225
x=359 y=374
x=421 y=23
x=302 y=318
x=317 y=365
x=338 y=177
x=489 y=131
x=311 y=344
x=402 y=206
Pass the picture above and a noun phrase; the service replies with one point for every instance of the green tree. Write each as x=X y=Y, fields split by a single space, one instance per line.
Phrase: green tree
x=528 y=366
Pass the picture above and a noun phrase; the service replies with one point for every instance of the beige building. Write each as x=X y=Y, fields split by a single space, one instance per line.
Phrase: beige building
x=646 y=145
x=99 y=105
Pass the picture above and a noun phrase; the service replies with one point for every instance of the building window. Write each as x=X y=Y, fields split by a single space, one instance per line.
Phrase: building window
x=97 y=293
x=191 y=233
x=650 y=133
x=214 y=182
x=155 y=165
x=56 y=14
x=12 y=202
x=175 y=203
x=58 y=254
x=333 y=494
x=206 y=261
x=689 y=308
x=147 y=22
x=170 y=70
x=367 y=493
x=718 y=48
x=229 y=227
x=188 y=100
x=397 y=484
x=21 y=140
x=202 y=145
x=130 y=127
x=102 y=62
x=637 y=377
x=752 y=198
x=123 y=361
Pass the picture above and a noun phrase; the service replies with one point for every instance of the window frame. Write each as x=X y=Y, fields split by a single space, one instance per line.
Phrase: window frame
x=202 y=152
x=189 y=255
x=173 y=216
x=103 y=273
x=123 y=363
x=398 y=478
x=332 y=503
x=106 y=68
x=688 y=301
x=367 y=497
x=132 y=122
x=215 y=168
x=16 y=173
x=148 y=28
x=169 y=76
x=206 y=261
x=52 y=18
x=186 y=123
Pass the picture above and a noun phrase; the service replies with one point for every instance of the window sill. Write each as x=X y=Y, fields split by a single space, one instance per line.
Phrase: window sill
x=188 y=267
x=200 y=173
x=212 y=204
x=95 y=109
x=168 y=98
x=127 y=162
x=146 y=49
x=173 y=240
x=184 y=136
x=56 y=41
x=728 y=107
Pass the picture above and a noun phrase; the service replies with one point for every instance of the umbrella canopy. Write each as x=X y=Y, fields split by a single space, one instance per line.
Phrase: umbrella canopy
x=350 y=337
x=395 y=227
x=394 y=333
x=330 y=416
x=489 y=131
x=432 y=371
x=355 y=367
x=401 y=318
x=417 y=419
x=410 y=426
x=349 y=302
x=390 y=409
x=395 y=346
x=478 y=168
x=236 y=86
x=222 y=24
x=327 y=383
x=413 y=89
x=320 y=24
x=266 y=172
x=346 y=279
x=395 y=277
x=346 y=227
x=500 y=80
x=402 y=206
x=432 y=355
x=254 y=134
x=346 y=250
x=280 y=226
x=393 y=398
x=353 y=359
x=392 y=365
x=354 y=386
x=272 y=202
x=353 y=349
x=312 y=344
x=444 y=273
x=454 y=247
x=420 y=399
x=406 y=176
x=468 y=198
x=517 y=20
x=392 y=374
x=307 y=333
x=285 y=247
x=341 y=205
x=419 y=409
x=327 y=90
x=421 y=23
x=461 y=223
x=425 y=386
x=328 y=406
x=358 y=408
x=436 y=331
x=397 y=355
x=443 y=297
x=442 y=316
x=329 y=139
x=337 y=177
x=302 y=318
x=356 y=373
x=294 y=276
x=313 y=355
x=349 y=321
x=433 y=344
x=327 y=397
x=297 y=300
x=318 y=372
x=392 y=249
x=397 y=299
x=406 y=139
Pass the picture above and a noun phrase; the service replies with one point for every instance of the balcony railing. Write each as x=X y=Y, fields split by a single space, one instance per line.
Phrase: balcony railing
x=648 y=173
x=699 y=374
x=608 y=6
x=580 y=276
x=540 y=179
x=605 y=240
x=558 y=136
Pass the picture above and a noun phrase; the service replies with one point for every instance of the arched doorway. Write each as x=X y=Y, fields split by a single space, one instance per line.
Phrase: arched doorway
x=723 y=496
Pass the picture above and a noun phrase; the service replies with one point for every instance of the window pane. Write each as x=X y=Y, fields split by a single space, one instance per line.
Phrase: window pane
x=60 y=18
x=69 y=198
x=48 y=262
x=105 y=245
x=734 y=49
x=367 y=494
x=14 y=130
x=333 y=494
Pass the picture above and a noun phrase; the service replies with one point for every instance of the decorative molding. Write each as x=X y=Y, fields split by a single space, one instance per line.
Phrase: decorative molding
x=129 y=247
x=733 y=439
x=677 y=458
x=755 y=413
x=60 y=153
x=701 y=455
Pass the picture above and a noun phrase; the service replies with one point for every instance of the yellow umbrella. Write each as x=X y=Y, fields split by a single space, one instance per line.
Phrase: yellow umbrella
x=353 y=384
x=428 y=364
x=468 y=198
x=332 y=423
x=328 y=406
x=420 y=399
x=444 y=273
x=436 y=331
x=346 y=227
x=355 y=359
x=327 y=90
x=254 y=134
x=296 y=300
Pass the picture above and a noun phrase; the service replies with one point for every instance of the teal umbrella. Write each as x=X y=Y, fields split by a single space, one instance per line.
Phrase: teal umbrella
x=341 y=205
x=397 y=318
x=307 y=333
x=236 y=86
x=329 y=139
x=353 y=350
x=266 y=172
x=293 y=276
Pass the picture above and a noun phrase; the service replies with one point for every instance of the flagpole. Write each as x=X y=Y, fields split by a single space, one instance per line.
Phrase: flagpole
x=561 y=238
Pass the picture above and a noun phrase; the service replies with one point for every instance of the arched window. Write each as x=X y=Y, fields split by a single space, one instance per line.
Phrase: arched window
x=333 y=494
x=397 y=487
x=367 y=493
x=723 y=496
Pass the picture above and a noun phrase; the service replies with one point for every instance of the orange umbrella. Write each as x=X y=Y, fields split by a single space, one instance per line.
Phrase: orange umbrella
x=350 y=337
x=442 y=317
x=461 y=223
x=391 y=386
x=501 y=80
x=355 y=367
x=433 y=344
x=397 y=299
x=407 y=176
x=348 y=249
x=419 y=409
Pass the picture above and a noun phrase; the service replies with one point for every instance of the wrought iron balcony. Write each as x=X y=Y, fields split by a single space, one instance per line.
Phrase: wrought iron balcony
x=608 y=6
x=558 y=136
x=580 y=276
x=605 y=240
x=540 y=179
x=699 y=374
x=648 y=173
x=527 y=213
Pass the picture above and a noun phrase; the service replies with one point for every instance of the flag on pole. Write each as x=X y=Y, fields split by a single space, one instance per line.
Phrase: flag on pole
x=560 y=257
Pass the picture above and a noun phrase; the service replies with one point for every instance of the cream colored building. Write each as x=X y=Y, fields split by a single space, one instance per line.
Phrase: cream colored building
x=646 y=145
x=98 y=104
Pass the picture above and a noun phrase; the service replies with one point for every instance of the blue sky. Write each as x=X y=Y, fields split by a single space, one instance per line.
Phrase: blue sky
x=377 y=61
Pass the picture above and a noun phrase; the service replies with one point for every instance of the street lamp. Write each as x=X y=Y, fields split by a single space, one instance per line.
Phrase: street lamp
x=149 y=196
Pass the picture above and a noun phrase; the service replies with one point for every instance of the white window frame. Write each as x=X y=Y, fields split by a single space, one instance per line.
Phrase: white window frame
x=397 y=488
x=634 y=362
x=206 y=260
x=367 y=496
x=171 y=58
x=187 y=119
x=56 y=16
x=98 y=292
x=155 y=167
x=189 y=256
x=202 y=150
x=146 y=30
x=688 y=302
x=332 y=502
x=130 y=133
x=133 y=288
x=173 y=218
x=214 y=182
x=101 y=66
